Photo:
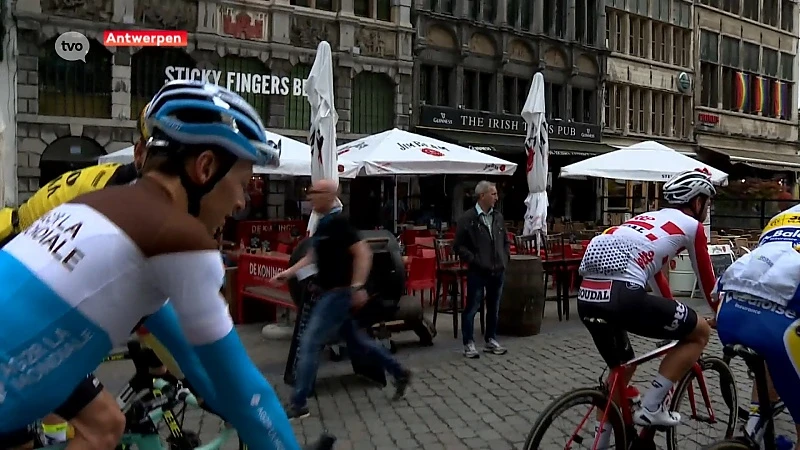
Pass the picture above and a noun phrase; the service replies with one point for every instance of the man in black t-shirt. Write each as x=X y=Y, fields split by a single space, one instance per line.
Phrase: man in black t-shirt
x=343 y=263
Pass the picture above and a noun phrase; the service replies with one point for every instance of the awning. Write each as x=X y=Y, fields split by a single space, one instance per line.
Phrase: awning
x=760 y=160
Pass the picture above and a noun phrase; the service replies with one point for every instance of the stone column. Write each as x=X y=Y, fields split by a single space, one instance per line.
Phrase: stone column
x=624 y=109
x=672 y=120
x=670 y=56
x=346 y=6
x=567 y=101
x=571 y=21
x=121 y=85
x=649 y=126
x=625 y=21
x=207 y=18
x=401 y=12
x=502 y=13
x=499 y=91
x=537 y=24
x=124 y=11
x=600 y=28
x=458 y=95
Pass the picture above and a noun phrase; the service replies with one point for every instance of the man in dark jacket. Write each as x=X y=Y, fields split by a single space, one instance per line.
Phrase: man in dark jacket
x=483 y=244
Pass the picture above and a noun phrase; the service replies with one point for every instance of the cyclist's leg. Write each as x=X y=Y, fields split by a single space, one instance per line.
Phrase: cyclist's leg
x=94 y=414
x=660 y=318
x=597 y=312
x=772 y=332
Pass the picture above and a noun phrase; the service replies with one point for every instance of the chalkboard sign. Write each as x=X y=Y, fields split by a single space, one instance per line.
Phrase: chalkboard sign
x=721 y=258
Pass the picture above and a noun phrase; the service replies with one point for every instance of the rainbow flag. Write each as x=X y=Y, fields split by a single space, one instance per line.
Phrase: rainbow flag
x=777 y=100
x=786 y=106
x=758 y=94
x=740 y=87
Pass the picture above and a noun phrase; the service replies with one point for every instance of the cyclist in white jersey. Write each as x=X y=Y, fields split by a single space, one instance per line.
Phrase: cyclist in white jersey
x=612 y=299
x=760 y=308
x=77 y=281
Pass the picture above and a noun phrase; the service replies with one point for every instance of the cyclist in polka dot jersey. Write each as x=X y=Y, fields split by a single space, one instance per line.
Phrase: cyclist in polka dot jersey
x=612 y=300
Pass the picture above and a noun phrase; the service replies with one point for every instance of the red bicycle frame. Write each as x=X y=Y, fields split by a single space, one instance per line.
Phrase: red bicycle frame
x=616 y=387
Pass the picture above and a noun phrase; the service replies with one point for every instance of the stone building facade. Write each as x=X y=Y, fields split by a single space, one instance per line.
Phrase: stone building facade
x=475 y=60
x=71 y=112
x=746 y=99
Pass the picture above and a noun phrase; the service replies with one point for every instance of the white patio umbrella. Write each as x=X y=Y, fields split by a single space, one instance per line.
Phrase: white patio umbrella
x=537 y=150
x=399 y=152
x=645 y=161
x=295 y=157
x=322 y=137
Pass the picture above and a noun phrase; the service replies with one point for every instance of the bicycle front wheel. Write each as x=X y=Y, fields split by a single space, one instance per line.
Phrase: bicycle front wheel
x=728 y=444
x=704 y=419
x=572 y=417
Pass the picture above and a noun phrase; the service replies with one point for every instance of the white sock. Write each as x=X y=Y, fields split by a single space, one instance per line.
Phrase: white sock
x=605 y=435
x=56 y=433
x=752 y=421
x=654 y=397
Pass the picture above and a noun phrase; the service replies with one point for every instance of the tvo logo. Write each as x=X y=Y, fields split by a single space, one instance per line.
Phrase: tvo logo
x=72 y=46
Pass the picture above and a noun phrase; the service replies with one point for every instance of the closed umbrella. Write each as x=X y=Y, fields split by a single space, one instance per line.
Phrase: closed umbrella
x=322 y=137
x=537 y=150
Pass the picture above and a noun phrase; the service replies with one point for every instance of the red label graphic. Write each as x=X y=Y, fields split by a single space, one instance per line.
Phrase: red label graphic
x=432 y=152
x=645 y=258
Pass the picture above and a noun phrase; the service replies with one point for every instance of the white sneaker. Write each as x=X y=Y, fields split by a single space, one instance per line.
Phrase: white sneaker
x=470 y=351
x=660 y=417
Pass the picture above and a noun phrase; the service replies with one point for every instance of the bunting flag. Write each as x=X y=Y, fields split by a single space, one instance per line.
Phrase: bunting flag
x=777 y=98
x=758 y=94
x=740 y=85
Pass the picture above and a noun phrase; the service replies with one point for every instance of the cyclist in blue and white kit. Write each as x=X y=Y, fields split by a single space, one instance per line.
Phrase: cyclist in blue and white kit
x=77 y=281
x=760 y=308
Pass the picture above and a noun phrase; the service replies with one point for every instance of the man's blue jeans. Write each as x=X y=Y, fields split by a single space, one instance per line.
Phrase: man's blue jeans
x=479 y=281
x=330 y=315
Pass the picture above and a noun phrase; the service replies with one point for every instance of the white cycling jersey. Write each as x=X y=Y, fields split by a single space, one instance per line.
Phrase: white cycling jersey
x=635 y=251
x=771 y=271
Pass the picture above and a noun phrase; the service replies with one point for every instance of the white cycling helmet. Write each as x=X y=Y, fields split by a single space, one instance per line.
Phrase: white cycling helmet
x=685 y=186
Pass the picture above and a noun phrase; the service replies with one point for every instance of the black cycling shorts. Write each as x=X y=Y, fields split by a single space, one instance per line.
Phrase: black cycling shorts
x=83 y=394
x=611 y=309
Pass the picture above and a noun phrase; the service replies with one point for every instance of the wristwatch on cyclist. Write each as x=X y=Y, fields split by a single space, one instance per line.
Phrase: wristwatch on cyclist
x=357 y=287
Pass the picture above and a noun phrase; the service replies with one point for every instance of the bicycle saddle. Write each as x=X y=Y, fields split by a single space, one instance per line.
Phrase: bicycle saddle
x=742 y=351
x=325 y=442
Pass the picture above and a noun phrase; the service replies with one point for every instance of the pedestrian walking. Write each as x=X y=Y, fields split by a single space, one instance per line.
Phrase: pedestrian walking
x=482 y=243
x=343 y=262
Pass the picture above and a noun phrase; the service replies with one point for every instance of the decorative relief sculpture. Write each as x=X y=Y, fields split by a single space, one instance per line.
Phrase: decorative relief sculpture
x=376 y=43
x=97 y=10
x=308 y=33
x=171 y=15
x=519 y=52
x=242 y=25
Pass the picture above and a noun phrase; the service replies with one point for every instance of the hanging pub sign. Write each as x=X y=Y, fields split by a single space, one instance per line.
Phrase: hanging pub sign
x=243 y=83
x=485 y=122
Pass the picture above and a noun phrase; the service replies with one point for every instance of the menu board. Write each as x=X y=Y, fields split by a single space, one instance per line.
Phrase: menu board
x=721 y=258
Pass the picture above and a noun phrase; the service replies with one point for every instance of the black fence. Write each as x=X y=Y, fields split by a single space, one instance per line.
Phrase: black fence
x=726 y=213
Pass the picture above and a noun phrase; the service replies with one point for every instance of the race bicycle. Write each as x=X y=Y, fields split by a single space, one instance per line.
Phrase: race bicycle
x=765 y=428
x=624 y=431
x=144 y=414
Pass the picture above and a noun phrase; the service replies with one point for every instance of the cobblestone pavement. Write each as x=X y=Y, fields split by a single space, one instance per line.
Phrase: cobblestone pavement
x=455 y=403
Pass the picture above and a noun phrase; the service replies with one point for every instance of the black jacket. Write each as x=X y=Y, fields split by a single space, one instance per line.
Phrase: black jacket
x=481 y=248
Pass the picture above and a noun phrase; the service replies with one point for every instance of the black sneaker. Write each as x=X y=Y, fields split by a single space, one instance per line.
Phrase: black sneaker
x=401 y=384
x=297 y=412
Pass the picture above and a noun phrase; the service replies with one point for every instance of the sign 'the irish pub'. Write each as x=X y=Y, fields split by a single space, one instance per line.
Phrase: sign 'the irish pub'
x=477 y=121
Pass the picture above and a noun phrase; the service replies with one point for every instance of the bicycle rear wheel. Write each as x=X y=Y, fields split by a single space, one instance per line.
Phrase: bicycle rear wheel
x=581 y=429
x=728 y=444
x=695 y=418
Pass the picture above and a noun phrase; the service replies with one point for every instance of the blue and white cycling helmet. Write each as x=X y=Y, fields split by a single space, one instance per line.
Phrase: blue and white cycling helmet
x=194 y=113
x=188 y=117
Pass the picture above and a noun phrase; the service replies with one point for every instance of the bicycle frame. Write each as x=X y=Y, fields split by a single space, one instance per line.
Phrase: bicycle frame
x=615 y=387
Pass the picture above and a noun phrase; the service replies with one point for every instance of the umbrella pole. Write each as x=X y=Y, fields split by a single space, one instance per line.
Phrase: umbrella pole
x=395 y=205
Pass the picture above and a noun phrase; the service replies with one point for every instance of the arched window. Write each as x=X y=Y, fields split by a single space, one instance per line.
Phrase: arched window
x=373 y=103
x=151 y=67
x=75 y=88
x=298 y=110
x=249 y=77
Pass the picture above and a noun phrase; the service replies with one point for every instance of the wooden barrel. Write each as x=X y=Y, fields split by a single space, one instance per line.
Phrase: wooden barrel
x=523 y=297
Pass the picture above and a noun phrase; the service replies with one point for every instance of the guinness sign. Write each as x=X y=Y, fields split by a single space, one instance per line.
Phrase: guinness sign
x=477 y=121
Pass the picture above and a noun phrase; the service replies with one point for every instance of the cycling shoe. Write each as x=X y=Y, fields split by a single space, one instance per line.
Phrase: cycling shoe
x=325 y=442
